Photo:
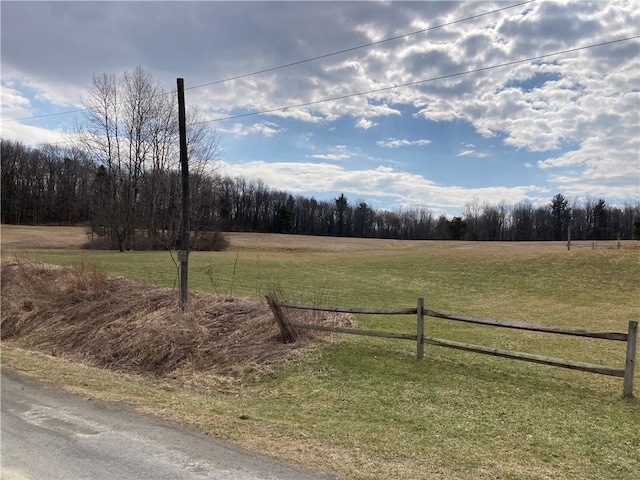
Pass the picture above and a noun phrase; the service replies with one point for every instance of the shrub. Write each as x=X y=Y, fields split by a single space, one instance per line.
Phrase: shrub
x=199 y=241
x=209 y=241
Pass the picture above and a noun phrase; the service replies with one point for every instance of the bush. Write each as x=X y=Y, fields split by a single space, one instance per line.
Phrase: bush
x=209 y=241
x=199 y=241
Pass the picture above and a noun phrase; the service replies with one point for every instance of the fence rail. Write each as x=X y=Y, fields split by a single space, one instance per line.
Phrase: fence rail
x=288 y=329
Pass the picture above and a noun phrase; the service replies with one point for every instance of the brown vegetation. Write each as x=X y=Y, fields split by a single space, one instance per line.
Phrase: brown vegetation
x=18 y=238
x=81 y=314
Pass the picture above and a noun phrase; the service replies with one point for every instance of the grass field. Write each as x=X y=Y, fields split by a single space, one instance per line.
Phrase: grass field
x=366 y=408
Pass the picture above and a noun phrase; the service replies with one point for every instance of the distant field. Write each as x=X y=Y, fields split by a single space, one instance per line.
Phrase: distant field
x=22 y=237
x=366 y=408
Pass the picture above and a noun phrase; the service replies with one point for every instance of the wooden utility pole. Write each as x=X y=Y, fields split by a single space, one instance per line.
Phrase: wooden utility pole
x=183 y=254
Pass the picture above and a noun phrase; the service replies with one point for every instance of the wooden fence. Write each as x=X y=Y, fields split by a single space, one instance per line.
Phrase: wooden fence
x=288 y=329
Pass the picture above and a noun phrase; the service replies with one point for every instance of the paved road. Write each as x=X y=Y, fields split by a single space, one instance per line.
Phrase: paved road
x=48 y=434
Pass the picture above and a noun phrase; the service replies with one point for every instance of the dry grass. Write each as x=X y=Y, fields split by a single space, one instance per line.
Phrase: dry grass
x=24 y=237
x=19 y=238
x=83 y=315
x=306 y=244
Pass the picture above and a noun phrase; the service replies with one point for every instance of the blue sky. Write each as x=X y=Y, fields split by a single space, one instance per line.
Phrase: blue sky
x=567 y=123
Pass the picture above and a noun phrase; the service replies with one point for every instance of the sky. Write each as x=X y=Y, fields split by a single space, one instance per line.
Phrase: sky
x=437 y=105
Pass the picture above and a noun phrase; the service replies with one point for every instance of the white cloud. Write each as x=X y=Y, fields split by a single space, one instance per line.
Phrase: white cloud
x=31 y=135
x=365 y=124
x=295 y=177
x=13 y=103
x=64 y=95
x=400 y=189
x=338 y=152
x=464 y=153
x=473 y=153
x=330 y=156
x=396 y=143
x=267 y=129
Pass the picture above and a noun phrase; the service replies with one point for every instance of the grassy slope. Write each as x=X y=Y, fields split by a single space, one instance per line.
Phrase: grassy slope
x=366 y=408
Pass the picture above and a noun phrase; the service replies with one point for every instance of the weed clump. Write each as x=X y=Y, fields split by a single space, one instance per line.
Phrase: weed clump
x=84 y=315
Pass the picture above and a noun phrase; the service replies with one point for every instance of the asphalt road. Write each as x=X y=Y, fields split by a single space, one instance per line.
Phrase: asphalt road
x=49 y=434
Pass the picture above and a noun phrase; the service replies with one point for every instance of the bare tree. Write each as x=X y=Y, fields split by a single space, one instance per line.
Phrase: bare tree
x=131 y=130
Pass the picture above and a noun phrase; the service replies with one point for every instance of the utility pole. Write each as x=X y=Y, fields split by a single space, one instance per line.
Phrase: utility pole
x=183 y=254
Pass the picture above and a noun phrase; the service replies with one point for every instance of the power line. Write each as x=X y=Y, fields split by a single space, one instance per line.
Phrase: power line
x=66 y=112
x=417 y=82
x=299 y=62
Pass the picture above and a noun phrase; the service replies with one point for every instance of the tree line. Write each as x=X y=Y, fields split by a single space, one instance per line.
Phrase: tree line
x=66 y=186
x=121 y=177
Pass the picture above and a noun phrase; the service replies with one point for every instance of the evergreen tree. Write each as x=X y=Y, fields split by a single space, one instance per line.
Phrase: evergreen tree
x=600 y=220
x=341 y=208
x=457 y=228
x=561 y=214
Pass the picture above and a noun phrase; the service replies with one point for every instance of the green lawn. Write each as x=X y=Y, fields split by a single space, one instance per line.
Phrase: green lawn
x=365 y=408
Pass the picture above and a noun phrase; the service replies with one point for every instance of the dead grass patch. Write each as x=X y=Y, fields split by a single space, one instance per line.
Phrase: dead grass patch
x=83 y=315
x=28 y=237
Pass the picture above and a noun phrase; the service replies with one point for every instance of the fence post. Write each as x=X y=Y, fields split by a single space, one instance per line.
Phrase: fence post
x=630 y=362
x=420 y=328
x=288 y=332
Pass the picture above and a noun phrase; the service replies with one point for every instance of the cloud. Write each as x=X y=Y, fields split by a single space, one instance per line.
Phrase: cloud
x=331 y=156
x=464 y=153
x=14 y=104
x=365 y=124
x=339 y=152
x=267 y=129
x=473 y=153
x=32 y=135
x=400 y=189
x=396 y=143
x=606 y=164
